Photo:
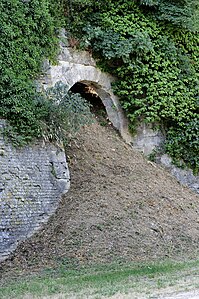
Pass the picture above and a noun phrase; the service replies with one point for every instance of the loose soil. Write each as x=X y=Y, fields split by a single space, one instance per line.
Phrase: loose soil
x=120 y=207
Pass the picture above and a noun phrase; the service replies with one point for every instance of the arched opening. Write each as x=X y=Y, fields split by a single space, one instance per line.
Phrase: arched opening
x=90 y=95
x=79 y=67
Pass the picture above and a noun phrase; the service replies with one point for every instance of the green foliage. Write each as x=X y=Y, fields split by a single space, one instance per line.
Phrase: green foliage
x=156 y=63
x=182 y=141
x=64 y=113
x=181 y=13
x=60 y=114
x=28 y=34
x=148 y=45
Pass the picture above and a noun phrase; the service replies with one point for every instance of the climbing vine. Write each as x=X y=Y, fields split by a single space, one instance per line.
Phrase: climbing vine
x=151 y=46
x=156 y=63
x=28 y=35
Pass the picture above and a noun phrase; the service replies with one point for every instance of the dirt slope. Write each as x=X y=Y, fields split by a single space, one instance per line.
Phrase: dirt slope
x=120 y=206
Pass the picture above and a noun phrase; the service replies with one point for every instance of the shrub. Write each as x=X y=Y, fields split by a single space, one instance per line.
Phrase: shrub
x=64 y=114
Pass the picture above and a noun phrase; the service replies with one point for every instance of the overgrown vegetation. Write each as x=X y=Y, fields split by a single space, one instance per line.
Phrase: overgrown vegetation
x=151 y=46
x=153 y=49
x=183 y=13
x=29 y=34
x=64 y=113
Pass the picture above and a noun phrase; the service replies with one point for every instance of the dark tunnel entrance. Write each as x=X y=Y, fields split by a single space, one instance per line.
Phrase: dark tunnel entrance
x=90 y=95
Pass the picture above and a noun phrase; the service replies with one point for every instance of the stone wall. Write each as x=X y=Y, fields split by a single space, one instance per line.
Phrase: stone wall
x=32 y=180
x=147 y=138
x=79 y=66
x=184 y=176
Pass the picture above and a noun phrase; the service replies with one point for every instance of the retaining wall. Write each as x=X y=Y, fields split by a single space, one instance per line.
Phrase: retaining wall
x=32 y=181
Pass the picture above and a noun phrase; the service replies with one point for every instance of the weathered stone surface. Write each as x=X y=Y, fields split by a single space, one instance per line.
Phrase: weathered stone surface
x=79 y=66
x=184 y=176
x=147 y=138
x=32 y=180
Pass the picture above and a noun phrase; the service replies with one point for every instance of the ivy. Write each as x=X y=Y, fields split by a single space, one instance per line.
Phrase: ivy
x=182 y=13
x=28 y=34
x=156 y=63
x=182 y=141
x=152 y=47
